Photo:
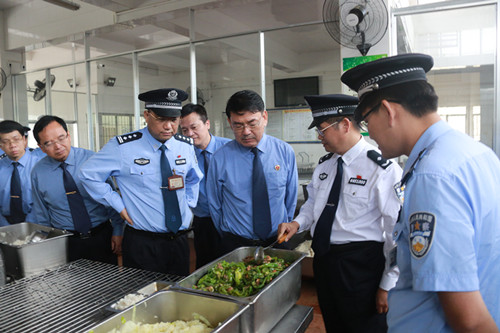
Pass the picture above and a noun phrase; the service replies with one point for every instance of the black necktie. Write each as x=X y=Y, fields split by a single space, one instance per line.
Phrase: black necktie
x=321 y=239
x=173 y=219
x=81 y=218
x=205 y=162
x=261 y=212
x=16 y=198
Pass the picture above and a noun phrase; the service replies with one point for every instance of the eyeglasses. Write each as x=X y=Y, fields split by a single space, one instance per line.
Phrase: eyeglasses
x=162 y=119
x=238 y=127
x=321 y=132
x=363 y=123
x=60 y=140
x=15 y=141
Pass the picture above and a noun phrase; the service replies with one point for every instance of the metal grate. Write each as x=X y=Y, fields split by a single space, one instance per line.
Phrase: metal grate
x=69 y=298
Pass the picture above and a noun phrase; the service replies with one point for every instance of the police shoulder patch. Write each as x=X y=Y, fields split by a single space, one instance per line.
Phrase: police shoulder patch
x=325 y=158
x=183 y=138
x=376 y=157
x=128 y=137
x=422 y=229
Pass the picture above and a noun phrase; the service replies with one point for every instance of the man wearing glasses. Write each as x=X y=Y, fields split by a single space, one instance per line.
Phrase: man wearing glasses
x=448 y=233
x=252 y=180
x=15 y=167
x=60 y=201
x=158 y=177
x=351 y=211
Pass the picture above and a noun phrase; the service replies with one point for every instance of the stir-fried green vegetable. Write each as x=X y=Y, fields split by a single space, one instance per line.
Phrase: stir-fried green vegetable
x=241 y=278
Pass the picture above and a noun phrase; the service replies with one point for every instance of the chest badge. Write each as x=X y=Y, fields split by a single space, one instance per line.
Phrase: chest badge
x=277 y=167
x=422 y=226
x=141 y=161
x=322 y=176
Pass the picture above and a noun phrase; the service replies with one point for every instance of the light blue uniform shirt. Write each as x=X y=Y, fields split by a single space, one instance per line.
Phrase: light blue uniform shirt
x=26 y=163
x=201 y=209
x=448 y=235
x=229 y=185
x=135 y=164
x=51 y=206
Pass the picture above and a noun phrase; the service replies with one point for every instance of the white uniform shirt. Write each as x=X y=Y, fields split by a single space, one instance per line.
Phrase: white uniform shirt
x=368 y=206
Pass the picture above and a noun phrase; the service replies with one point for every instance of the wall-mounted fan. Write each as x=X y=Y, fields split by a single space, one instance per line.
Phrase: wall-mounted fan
x=40 y=89
x=356 y=24
x=3 y=80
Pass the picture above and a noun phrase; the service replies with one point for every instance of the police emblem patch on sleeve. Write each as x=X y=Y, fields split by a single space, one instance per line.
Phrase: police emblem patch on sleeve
x=128 y=137
x=422 y=228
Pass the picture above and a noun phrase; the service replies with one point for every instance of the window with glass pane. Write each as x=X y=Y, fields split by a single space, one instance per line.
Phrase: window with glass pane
x=463 y=45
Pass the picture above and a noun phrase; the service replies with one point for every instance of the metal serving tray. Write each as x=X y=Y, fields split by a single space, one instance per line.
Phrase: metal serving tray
x=33 y=258
x=171 y=305
x=270 y=304
x=146 y=291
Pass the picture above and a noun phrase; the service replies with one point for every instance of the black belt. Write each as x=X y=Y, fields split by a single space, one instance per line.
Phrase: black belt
x=92 y=232
x=164 y=235
x=352 y=246
x=248 y=241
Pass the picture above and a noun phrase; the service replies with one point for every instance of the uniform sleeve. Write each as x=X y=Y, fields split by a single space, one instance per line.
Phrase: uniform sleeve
x=389 y=208
x=116 y=221
x=214 y=192
x=193 y=178
x=449 y=263
x=40 y=212
x=95 y=172
x=292 y=185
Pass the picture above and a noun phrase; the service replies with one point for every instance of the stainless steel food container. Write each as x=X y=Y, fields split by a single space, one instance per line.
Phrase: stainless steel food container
x=147 y=290
x=171 y=305
x=270 y=304
x=29 y=259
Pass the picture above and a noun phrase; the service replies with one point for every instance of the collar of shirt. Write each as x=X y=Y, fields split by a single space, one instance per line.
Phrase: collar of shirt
x=210 y=147
x=426 y=140
x=352 y=153
x=155 y=144
x=22 y=161
x=70 y=160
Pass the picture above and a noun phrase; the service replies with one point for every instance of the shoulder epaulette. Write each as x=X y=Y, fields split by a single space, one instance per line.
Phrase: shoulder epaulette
x=183 y=138
x=376 y=157
x=31 y=149
x=128 y=137
x=3 y=155
x=325 y=158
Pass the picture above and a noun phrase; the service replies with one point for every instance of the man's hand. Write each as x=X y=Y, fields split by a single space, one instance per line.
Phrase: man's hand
x=288 y=228
x=116 y=244
x=381 y=301
x=125 y=217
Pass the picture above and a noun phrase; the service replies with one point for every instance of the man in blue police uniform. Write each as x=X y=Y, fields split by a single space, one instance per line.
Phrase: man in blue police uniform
x=252 y=180
x=355 y=239
x=196 y=125
x=15 y=167
x=158 y=178
x=448 y=233
x=60 y=201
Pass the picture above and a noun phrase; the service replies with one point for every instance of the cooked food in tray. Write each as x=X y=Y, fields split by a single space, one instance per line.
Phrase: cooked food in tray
x=241 y=279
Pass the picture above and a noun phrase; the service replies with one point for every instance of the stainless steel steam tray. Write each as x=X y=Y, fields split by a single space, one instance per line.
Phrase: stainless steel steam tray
x=69 y=298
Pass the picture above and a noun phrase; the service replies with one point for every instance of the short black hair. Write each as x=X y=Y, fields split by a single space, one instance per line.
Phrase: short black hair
x=43 y=121
x=8 y=126
x=418 y=97
x=244 y=100
x=197 y=108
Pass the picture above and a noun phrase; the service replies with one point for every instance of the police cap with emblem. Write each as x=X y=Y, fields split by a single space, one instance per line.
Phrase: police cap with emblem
x=164 y=102
x=327 y=106
x=387 y=72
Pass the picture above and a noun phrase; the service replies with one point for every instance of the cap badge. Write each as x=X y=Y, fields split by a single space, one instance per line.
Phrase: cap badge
x=172 y=95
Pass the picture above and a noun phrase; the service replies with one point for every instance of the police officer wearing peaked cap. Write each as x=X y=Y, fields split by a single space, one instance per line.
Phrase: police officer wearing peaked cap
x=158 y=176
x=350 y=212
x=449 y=226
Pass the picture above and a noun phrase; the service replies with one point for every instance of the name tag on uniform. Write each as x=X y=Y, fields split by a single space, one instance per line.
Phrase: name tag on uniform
x=357 y=181
x=175 y=182
x=180 y=161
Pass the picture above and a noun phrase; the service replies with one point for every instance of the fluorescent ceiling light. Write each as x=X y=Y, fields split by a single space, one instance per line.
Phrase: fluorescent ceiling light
x=65 y=4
